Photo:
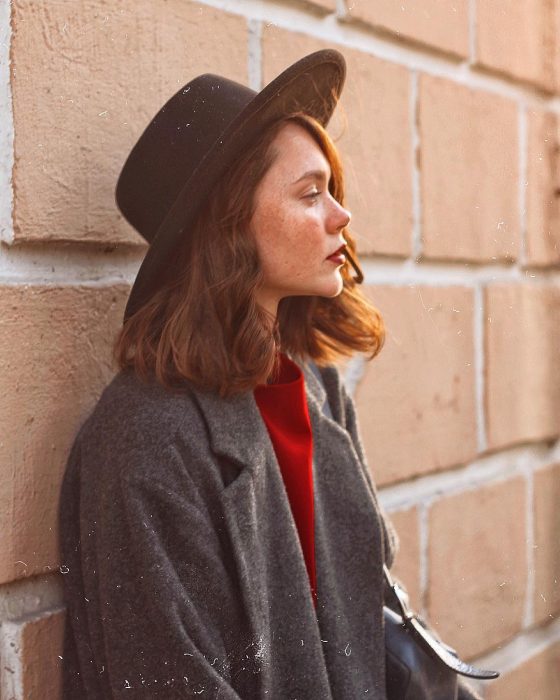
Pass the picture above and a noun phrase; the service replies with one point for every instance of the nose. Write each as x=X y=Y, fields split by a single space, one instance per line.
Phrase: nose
x=340 y=217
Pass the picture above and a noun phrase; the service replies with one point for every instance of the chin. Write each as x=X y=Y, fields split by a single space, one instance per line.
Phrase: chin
x=334 y=291
x=331 y=290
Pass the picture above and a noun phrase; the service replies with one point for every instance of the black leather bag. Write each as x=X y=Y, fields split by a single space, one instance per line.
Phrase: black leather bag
x=418 y=666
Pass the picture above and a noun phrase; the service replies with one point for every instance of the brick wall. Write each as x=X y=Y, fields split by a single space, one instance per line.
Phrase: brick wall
x=449 y=131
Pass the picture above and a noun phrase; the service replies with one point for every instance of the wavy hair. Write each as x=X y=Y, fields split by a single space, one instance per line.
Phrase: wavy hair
x=203 y=325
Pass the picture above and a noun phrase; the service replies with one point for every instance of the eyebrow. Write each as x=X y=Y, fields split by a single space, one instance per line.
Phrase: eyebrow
x=315 y=174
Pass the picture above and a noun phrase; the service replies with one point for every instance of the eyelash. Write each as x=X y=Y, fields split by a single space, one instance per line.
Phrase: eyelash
x=313 y=195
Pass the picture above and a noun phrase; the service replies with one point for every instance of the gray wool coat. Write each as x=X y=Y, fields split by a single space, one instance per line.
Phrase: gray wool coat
x=184 y=572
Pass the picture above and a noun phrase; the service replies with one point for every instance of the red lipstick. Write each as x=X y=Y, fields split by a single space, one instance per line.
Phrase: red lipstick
x=338 y=256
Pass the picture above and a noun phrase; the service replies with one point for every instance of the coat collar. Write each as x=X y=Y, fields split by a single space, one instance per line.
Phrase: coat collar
x=315 y=390
x=236 y=429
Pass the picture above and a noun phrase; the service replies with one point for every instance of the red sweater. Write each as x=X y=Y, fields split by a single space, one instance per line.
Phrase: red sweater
x=283 y=406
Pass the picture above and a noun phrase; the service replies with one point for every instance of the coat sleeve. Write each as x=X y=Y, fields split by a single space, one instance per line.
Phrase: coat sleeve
x=164 y=616
x=466 y=691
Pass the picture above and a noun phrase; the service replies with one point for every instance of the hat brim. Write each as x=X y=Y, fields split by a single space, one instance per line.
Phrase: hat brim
x=311 y=85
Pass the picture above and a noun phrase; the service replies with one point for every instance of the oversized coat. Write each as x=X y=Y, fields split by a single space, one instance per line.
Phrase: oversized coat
x=184 y=574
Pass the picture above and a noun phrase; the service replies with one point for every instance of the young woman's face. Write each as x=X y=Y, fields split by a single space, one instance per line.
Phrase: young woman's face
x=297 y=223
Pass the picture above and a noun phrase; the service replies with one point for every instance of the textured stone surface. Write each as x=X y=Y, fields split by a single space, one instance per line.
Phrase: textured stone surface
x=538 y=678
x=371 y=127
x=406 y=567
x=469 y=172
x=547 y=543
x=416 y=400
x=522 y=363
x=442 y=24
x=477 y=566
x=556 y=58
x=32 y=649
x=543 y=189
x=87 y=76
x=55 y=347
x=42 y=647
x=518 y=38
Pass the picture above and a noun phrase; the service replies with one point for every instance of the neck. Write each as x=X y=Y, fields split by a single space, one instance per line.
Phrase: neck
x=269 y=303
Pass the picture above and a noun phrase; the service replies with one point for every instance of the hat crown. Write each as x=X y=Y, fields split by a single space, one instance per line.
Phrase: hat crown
x=173 y=146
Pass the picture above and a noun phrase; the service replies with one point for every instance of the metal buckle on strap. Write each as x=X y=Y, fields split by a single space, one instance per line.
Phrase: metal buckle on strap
x=431 y=644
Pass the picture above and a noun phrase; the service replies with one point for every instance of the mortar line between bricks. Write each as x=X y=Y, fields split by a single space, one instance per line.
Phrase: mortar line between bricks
x=31 y=596
x=521 y=648
x=479 y=367
x=68 y=281
x=399 y=273
x=68 y=266
x=34 y=616
x=11 y=681
x=529 y=610
x=424 y=540
x=363 y=38
x=255 y=54
x=65 y=263
x=341 y=9
x=487 y=470
x=6 y=127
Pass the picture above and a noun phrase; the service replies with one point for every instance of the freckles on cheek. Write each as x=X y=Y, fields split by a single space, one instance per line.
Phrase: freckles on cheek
x=273 y=233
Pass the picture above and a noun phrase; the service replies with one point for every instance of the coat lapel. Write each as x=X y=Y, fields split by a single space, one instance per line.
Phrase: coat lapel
x=238 y=433
x=266 y=547
x=235 y=427
x=345 y=634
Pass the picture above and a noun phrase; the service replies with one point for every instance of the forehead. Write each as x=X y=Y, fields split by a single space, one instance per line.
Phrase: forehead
x=295 y=149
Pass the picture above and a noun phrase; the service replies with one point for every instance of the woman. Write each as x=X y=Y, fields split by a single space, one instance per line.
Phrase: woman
x=220 y=532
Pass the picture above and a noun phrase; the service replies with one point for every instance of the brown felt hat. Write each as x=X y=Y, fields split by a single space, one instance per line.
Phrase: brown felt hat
x=194 y=138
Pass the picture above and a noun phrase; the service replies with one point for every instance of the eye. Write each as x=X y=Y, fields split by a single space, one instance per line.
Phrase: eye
x=312 y=195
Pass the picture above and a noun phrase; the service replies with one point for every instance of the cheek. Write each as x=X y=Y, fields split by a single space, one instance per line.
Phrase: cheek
x=288 y=238
x=276 y=256
x=273 y=231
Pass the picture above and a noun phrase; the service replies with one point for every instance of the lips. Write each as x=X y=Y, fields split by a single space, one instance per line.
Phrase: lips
x=338 y=252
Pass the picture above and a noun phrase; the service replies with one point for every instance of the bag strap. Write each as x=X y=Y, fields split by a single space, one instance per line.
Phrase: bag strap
x=425 y=637
x=410 y=619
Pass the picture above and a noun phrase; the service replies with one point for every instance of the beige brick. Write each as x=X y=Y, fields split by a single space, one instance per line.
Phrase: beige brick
x=469 y=172
x=517 y=38
x=373 y=135
x=522 y=388
x=538 y=678
x=54 y=360
x=87 y=76
x=543 y=187
x=42 y=647
x=442 y=24
x=556 y=57
x=416 y=401
x=547 y=547
x=406 y=567
x=477 y=566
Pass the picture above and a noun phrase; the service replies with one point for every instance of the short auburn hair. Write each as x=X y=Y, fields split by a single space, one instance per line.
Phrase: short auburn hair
x=203 y=325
